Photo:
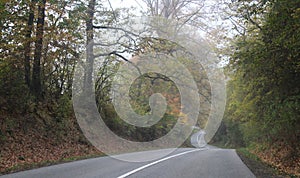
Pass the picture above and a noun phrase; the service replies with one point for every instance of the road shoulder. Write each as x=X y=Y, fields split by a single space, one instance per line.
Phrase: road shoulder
x=259 y=169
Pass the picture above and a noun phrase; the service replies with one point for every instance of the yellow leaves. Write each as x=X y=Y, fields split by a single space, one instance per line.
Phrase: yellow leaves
x=183 y=118
x=296 y=13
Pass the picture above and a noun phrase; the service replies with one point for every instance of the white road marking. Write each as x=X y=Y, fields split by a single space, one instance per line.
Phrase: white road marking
x=158 y=161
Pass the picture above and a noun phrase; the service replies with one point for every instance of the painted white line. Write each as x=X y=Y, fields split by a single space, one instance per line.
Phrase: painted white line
x=158 y=161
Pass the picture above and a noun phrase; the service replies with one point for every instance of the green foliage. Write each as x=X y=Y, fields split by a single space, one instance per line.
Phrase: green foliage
x=145 y=86
x=248 y=154
x=64 y=109
x=263 y=91
x=14 y=94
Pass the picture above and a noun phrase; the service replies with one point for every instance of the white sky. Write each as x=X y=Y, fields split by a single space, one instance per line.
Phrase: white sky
x=140 y=5
x=126 y=3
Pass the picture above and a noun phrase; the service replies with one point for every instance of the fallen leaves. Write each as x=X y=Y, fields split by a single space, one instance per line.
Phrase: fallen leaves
x=281 y=156
x=37 y=145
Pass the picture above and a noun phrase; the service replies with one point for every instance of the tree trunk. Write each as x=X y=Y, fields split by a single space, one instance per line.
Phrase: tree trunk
x=88 y=78
x=28 y=42
x=36 y=86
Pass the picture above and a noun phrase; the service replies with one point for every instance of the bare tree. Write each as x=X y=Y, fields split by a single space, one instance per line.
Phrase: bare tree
x=193 y=12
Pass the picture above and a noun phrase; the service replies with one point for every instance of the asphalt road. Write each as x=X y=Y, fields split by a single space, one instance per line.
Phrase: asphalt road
x=208 y=162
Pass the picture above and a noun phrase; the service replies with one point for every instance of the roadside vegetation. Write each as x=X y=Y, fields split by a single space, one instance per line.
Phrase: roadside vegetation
x=259 y=168
x=43 y=40
x=41 y=43
x=263 y=90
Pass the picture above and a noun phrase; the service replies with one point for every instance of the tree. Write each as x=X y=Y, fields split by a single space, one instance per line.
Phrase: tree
x=90 y=46
x=264 y=76
x=36 y=85
x=27 y=46
x=191 y=12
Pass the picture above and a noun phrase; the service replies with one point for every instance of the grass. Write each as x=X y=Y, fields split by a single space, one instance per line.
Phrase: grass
x=248 y=154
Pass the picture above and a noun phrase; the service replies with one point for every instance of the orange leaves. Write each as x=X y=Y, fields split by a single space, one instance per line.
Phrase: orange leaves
x=173 y=103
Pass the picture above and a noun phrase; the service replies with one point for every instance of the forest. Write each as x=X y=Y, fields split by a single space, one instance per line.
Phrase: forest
x=257 y=44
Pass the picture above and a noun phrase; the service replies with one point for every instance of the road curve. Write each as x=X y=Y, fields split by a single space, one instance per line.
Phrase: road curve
x=208 y=162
